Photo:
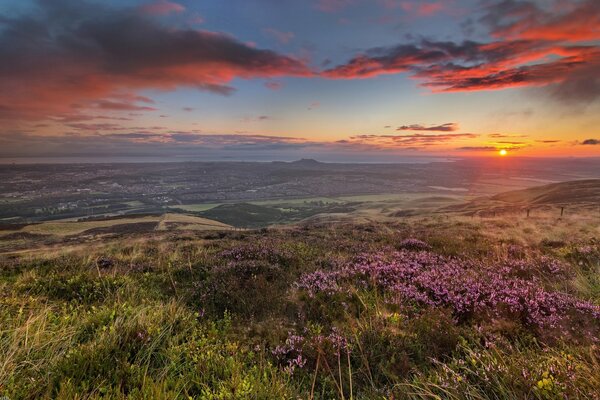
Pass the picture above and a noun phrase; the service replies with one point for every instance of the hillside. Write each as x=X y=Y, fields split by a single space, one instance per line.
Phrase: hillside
x=428 y=306
x=54 y=233
x=573 y=194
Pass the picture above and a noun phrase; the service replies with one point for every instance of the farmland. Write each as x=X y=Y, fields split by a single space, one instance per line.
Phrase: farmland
x=33 y=193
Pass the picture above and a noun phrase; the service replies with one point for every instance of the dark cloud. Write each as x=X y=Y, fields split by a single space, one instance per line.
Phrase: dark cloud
x=449 y=127
x=591 y=142
x=505 y=136
x=72 y=54
x=120 y=106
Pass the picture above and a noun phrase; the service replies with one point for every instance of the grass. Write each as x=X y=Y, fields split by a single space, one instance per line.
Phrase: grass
x=225 y=315
x=72 y=227
x=69 y=227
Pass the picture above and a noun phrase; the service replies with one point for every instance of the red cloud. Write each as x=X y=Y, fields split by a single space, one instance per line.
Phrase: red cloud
x=102 y=53
x=422 y=9
x=535 y=48
x=577 y=22
x=162 y=7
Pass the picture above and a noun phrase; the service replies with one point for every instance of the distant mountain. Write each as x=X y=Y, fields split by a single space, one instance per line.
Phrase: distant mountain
x=307 y=162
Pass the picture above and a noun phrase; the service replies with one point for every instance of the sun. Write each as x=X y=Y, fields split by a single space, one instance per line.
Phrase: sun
x=503 y=152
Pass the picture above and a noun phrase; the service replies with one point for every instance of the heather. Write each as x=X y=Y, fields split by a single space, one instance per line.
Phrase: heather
x=428 y=309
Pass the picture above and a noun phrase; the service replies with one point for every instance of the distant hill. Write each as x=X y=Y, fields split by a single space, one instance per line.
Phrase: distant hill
x=572 y=193
x=583 y=191
x=307 y=162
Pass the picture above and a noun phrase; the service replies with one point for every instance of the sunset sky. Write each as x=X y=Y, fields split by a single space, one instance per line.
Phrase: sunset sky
x=363 y=80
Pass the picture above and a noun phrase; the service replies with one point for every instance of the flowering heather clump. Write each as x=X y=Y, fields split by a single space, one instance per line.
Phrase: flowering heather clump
x=541 y=266
x=471 y=289
x=587 y=250
x=297 y=349
x=515 y=250
x=290 y=354
x=552 y=266
x=319 y=282
x=414 y=244
x=265 y=250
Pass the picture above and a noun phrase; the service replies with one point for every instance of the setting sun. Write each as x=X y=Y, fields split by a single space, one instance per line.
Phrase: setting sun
x=503 y=152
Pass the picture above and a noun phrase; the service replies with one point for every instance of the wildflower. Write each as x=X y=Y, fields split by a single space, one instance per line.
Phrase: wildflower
x=467 y=287
x=414 y=244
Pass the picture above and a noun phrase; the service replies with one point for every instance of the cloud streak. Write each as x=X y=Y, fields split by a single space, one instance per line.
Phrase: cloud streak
x=449 y=127
x=591 y=142
x=415 y=141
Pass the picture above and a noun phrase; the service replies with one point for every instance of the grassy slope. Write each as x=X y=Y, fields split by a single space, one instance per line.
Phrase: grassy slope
x=574 y=194
x=180 y=312
x=201 y=315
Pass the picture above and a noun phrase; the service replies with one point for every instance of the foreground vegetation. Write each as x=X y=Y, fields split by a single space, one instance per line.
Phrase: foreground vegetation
x=429 y=308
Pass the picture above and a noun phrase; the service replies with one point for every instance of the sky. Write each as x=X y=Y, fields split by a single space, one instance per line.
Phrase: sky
x=335 y=80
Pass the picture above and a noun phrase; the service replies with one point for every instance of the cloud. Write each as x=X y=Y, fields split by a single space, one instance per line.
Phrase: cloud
x=416 y=140
x=162 y=7
x=273 y=85
x=592 y=142
x=257 y=118
x=120 y=106
x=548 y=141
x=505 y=136
x=143 y=143
x=116 y=141
x=449 y=127
x=333 y=5
x=478 y=148
x=92 y=53
x=422 y=9
x=531 y=46
x=572 y=21
x=281 y=37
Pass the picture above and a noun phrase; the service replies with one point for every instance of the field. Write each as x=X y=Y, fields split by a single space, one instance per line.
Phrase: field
x=42 y=193
x=62 y=232
x=451 y=302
